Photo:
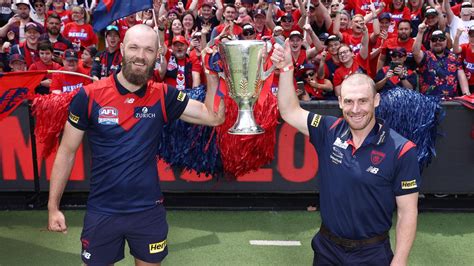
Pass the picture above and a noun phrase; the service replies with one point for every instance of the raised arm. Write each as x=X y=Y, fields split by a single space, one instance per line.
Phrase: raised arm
x=318 y=46
x=364 y=48
x=269 y=17
x=456 y=47
x=72 y=138
x=288 y=103
x=417 y=52
x=220 y=10
x=193 y=8
x=449 y=13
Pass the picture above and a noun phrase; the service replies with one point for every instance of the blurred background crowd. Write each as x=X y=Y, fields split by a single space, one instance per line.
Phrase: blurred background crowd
x=421 y=45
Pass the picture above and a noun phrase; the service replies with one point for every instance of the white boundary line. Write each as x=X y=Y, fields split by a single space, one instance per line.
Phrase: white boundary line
x=275 y=243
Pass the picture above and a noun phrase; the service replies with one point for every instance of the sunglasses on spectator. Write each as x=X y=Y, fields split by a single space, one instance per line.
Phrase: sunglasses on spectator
x=248 y=33
x=286 y=20
x=197 y=36
x=397 y=55
x=39 y=5
x=309 y=74
x=438 y=39
x=335 y=5
x=112 y=27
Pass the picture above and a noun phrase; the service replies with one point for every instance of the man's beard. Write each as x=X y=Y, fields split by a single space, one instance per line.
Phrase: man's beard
x=53 y=31
x=134 y=77
x=403 y=36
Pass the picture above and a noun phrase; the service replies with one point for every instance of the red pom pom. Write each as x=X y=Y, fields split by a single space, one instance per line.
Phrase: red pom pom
x=242 y=154
x=51 y=112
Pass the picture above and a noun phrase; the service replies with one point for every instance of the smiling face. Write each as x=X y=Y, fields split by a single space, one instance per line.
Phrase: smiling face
x=176 y=27
x=32 y=36
x=295 y=43
x=139 y=51
x=77 y=13
x=179 y=50
x=345 y=55
x=188 y=21
x=46 y=56
x=113 y=39
x=358 y=101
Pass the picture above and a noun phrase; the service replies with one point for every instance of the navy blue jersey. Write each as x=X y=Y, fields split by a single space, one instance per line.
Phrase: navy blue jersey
x=358 y=186
x=123 y=130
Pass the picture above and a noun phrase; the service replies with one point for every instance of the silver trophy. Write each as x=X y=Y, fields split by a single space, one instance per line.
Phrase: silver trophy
x=243 y=72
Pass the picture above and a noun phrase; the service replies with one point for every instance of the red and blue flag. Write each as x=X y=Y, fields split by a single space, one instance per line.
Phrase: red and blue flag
x=108 y=11
x=16 y=87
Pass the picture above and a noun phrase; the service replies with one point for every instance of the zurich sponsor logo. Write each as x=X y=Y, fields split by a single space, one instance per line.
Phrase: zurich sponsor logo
x=143 y=112
x=108 y=116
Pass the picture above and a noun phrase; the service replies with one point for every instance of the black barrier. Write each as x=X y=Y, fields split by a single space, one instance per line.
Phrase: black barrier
x=293 y=170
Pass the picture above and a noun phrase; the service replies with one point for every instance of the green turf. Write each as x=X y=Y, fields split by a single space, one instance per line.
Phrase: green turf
x=222 y=238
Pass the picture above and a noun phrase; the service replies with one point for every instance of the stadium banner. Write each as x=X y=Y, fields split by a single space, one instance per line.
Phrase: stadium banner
x=294 y=169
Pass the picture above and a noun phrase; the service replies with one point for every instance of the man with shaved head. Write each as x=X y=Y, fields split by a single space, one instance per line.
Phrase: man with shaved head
x=124 y=115
x=365 y=170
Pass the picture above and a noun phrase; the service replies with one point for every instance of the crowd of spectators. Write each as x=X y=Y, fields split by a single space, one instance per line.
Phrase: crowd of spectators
x=422 y=45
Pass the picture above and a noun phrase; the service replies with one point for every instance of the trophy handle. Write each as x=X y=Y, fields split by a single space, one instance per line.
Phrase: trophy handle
x=267 y=73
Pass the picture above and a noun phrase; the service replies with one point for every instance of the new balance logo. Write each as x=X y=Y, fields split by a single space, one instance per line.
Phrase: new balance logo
x=129 y=100
x=373 y=170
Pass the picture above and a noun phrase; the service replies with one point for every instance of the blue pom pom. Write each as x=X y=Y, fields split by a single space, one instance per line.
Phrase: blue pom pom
x=191 y=147
x=414 y=116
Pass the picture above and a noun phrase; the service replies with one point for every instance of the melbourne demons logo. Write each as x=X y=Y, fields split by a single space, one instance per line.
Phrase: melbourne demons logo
x=108 y=116
x=10 y=99
x=376 y=157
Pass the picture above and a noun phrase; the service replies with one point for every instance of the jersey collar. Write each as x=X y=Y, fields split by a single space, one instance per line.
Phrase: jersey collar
x=123 y=91
x=376 y=136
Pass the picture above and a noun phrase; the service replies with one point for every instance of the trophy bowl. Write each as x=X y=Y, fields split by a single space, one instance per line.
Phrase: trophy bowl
x=243 y=72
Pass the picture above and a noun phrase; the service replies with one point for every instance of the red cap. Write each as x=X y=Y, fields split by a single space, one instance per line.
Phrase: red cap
x=180 y=39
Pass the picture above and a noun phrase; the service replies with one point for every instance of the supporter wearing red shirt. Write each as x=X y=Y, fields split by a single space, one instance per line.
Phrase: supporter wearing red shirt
x=288 y=25
x=229 y=15
x=125 y=23
x=288 y=7
x=404 y=41
x=45 y=63
x=59 y=7
x=362 y=6
x=350 y=64
x=29 y=48
x=354 y=39
x=261 y=29
x=66 y=83
x=81 y=34
x=398 y=12
x=87 y=60
x=182 y=71
x=467 y=53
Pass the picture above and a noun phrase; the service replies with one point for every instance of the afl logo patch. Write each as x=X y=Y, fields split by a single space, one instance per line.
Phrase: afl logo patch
x=108 y=116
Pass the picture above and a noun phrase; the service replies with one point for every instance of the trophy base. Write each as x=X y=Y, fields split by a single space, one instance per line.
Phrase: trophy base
x=246 y=131
x=245 y=124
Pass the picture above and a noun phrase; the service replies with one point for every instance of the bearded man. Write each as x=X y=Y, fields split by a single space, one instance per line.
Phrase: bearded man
x=124 y=115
